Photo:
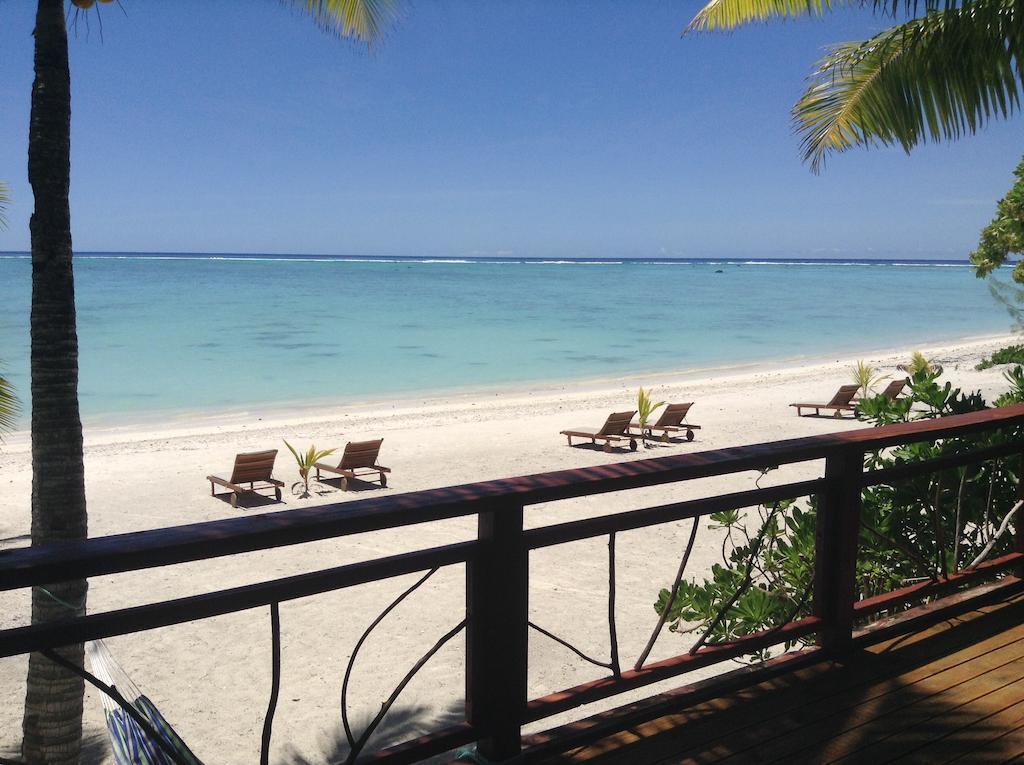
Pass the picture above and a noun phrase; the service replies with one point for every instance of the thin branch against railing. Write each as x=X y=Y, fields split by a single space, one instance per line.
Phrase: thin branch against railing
x=353 y=754
x=275 y=681
x=613 y=635
x=663 y=616
x=744 y=584
x=995 y=537
x=940 y=532
x=907 y=549
x=957 y=531
x=359 y=644
x=561 y=641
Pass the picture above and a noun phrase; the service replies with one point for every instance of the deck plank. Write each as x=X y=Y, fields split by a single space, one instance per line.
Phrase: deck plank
x=951 y=692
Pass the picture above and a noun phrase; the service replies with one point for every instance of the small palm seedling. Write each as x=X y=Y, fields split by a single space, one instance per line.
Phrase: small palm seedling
x=920 y=363
x=866 y=377
x=306 y=462
x=645 y=407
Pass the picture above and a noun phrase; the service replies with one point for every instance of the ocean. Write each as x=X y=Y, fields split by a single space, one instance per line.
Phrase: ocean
x=161 y=335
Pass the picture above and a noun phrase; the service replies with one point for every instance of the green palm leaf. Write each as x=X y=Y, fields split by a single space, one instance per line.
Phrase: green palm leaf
x=937 y=77
x=365 y=20
x=729 y=14
x=9 y=407
x=5 y=198
x=724 y=15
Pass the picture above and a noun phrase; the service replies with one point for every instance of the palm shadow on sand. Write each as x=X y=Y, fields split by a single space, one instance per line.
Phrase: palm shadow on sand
x=401 y=724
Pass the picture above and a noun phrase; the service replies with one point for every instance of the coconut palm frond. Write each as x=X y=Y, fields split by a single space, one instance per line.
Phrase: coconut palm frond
x=5 y=199
x=729 y=14
x=645 y=406
x=724 y=15
x=938 y=77
x=866 y=377
x=364 y=20
x=9 y=407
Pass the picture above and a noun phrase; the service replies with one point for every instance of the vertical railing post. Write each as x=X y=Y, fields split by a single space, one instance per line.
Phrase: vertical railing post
x=497 y=582
x=837 y=533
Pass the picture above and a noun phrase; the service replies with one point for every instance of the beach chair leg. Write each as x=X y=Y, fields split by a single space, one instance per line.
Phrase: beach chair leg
x=343 y=484
x=234 y=499
x=607 y=445
x=383 y=480
x=664 y=437
x=318 y=474
x=632 y=444
x=213 y=493
x=277 y=493
x=569 y=439
x=689 y=435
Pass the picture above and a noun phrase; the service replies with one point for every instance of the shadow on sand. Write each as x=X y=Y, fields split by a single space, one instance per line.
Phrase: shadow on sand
x=401 y=724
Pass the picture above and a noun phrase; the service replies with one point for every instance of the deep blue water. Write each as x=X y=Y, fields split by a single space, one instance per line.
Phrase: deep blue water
x=181 y=332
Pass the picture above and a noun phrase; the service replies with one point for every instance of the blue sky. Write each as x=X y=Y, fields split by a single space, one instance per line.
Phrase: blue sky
x=525 y=129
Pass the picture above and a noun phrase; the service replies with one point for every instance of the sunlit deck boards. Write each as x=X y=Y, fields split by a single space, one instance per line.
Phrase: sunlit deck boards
x=950 y=693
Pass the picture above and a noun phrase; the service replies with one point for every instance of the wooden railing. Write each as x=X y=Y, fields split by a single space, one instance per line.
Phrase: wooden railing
x=497 y=566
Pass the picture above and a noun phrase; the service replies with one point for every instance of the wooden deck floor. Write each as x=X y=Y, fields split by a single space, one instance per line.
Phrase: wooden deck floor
x=950 y=693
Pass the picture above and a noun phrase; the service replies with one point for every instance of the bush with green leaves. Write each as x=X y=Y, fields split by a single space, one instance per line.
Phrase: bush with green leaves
x=918 y=529
x=1010 y=354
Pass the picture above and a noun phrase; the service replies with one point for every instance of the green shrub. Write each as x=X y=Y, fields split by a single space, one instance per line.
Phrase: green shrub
x=916 y=529
x=1011 y=354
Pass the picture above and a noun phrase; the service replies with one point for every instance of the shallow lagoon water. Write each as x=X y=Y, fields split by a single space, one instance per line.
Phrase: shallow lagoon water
x=173 y=333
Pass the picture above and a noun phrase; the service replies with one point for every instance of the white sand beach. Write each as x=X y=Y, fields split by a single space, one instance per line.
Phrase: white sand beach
x=211 y=678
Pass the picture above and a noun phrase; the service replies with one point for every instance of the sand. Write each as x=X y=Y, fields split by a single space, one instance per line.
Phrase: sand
x=211 y=678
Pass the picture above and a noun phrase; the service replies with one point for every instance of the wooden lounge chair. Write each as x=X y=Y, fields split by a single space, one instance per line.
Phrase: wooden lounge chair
x=358 y=459
x=895 y=388
x=252 y=468
x=671 y=421
x=614 y=430
x=841 y=402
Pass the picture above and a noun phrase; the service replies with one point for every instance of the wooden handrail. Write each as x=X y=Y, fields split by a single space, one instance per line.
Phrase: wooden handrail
x=118 y=553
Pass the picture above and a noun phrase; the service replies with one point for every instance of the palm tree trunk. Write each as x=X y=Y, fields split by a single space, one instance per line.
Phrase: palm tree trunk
x=52 y=725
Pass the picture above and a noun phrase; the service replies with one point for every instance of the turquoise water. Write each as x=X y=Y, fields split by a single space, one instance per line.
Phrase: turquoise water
x=165 y=334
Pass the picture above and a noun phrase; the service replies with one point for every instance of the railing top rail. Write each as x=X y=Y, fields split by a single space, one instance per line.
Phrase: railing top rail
x=180 y=544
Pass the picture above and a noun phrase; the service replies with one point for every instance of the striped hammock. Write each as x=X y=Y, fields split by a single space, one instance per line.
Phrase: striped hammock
x=132 y=745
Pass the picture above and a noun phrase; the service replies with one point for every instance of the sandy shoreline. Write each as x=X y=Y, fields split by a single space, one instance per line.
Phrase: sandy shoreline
x=211 y=678
x=143 y=426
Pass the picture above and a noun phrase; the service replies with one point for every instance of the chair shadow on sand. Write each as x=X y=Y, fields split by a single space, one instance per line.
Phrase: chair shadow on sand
x=354 y=484
x=248 y=500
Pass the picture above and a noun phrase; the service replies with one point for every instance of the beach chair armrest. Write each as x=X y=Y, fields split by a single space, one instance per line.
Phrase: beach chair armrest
x=226 y=484
x=275 y=482
x=328 y=468
x=579 y=432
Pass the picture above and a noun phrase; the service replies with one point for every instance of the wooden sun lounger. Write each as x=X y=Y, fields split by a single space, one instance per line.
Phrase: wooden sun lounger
x=841 y=402
x=251 y=468
x=671 y=421
x=614 y=430
x=895 y=388
x=358 y=459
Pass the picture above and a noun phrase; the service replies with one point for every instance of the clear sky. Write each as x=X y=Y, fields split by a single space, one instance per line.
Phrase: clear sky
x=478 y=128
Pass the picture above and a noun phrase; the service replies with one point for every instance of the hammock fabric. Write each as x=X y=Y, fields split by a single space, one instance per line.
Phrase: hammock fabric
x=131 y=744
